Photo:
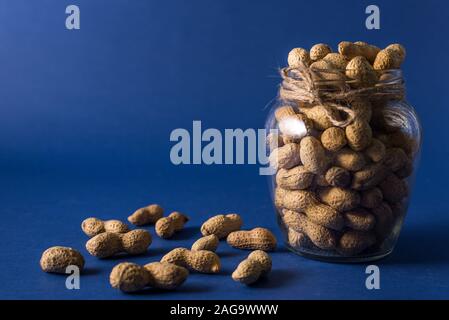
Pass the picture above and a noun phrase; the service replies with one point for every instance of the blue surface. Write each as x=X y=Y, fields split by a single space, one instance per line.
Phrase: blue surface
x=85 y=119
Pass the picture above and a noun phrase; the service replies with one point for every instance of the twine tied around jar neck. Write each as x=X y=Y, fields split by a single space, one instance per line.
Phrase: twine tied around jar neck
x=307 y=87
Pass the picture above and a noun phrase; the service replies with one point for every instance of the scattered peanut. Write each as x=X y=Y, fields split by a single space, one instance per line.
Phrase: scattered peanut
x=209 y=243
x=107 y=244
x=131 y=277
x=201 y=261
x=258 y=264
x=222 y=225
x=57 y=259
x=166 y=227
x=94 y=226
x=255 y=239
x=146 y=215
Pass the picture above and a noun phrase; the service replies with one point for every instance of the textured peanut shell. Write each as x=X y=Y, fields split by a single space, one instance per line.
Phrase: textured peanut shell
x=384 y=220
x=250 y=270
x=313 y=155
x=371 y=198
x=333 y=139
x=338 y=177
x=363 y=109
x=393 y=188
x=375 y=151
x=285 y=157
x=307 y=202
x=354 y=242
x=130 y=277
x=298 y=239
x=222 y=225
x=255 y=239
x=369 y=177
x=351 y=50
x=147 y=215
x=349 y=159
x=360 y=219
x=57 y=259
x=319 y=115
x=387 y=59
x=337 y=60
x=325 y=74
x=359 y=135
x=108 y=244
x=165 y=275
x=395 y=159
x=166 y=227
x=209 y=243
x=200 y=261
x=295 y=178
x=320 y=236
x=360 y=70
x=339 y=198
x=319 y=51
x=400 y=50
x=298 y=55
x=93 y=226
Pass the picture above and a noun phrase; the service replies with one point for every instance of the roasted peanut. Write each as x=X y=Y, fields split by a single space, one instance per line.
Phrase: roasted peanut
x=255 y=239
x=166 y=227
x=360 y=219
x=313 y=155
x=320 y=116
x=333 y=139
x=209 y=243
x=107 y=244
x=337 y=60
x=57 y=259
x=393 y=188
x=258 y=264
x=395 y=159
x=369 y=177
x=349 y=159
x=338 y=177
x=371 y=198
x=351 y=50
x=339 y=198
x=295 y=178
x=201 y=261
x=298 y=55
x=387 y=59
x=131 y=277
x=147 y=215
x=285 y=157
x=94 y=226
x=307 y=202
x=354 y=242
x=359 y=135
x=222 y=225
x=320 y=236
x=376 y=150
x=319 y=51
x=361 y=72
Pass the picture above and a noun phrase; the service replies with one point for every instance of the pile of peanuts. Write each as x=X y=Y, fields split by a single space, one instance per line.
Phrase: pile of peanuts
x=112 y=238
x=340 y=191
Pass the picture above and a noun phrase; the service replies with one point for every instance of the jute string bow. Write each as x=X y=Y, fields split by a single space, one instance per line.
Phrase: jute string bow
x=307 y=87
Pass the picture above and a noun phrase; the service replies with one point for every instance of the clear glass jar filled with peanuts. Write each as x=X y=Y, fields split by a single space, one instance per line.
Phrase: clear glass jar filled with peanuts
x=343 y=144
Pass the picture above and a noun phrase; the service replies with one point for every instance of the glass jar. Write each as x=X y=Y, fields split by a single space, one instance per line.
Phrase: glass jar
x=344 y=156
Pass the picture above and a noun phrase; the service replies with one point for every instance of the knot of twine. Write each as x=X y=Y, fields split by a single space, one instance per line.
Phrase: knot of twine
x=302 y=84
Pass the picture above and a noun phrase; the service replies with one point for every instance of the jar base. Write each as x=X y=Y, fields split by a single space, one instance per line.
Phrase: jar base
x=339 y=259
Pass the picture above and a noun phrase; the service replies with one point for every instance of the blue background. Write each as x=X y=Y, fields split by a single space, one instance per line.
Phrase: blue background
x=85 y=119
